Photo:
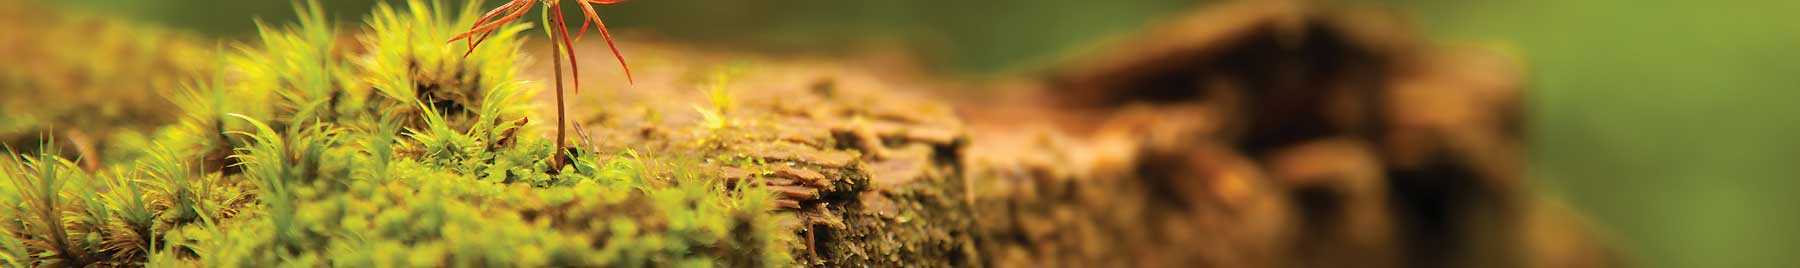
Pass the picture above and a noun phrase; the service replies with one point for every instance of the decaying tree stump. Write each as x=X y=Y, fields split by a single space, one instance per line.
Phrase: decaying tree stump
x=1279 y=135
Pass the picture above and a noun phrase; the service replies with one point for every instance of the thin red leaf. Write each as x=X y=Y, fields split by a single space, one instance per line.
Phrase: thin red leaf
x=586 y=23
x=484 y=18
x=595 y=17
x=583 y=31
x=518 y=12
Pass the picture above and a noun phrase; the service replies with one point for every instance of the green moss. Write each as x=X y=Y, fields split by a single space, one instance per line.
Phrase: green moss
x=401 y=152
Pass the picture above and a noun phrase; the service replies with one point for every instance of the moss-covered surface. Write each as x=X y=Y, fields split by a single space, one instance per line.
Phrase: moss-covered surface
x=868 y=170
x=378 y=146
x=381 y=145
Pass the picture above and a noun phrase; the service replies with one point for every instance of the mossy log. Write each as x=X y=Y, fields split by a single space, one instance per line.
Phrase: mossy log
x=1255 y=134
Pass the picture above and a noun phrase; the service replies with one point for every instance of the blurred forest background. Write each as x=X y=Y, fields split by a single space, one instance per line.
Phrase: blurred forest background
x=1675 y=125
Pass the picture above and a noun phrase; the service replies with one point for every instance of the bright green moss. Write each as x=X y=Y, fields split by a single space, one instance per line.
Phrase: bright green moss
x=398 y=153
x=409 y=63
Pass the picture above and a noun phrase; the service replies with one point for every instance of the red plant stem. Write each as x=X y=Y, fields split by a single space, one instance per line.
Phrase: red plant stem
x=556 y=158
x=563 y=29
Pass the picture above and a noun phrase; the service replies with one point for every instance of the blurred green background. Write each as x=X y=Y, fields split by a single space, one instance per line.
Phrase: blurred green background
x=1674 y=124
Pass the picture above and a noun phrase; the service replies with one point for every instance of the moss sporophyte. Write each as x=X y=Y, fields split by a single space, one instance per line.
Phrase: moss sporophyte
x=559 y=34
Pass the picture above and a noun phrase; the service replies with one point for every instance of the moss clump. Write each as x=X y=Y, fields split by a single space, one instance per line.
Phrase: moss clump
x=393 y=151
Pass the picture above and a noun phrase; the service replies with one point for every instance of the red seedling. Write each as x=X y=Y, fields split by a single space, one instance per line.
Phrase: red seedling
x=515 y=9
